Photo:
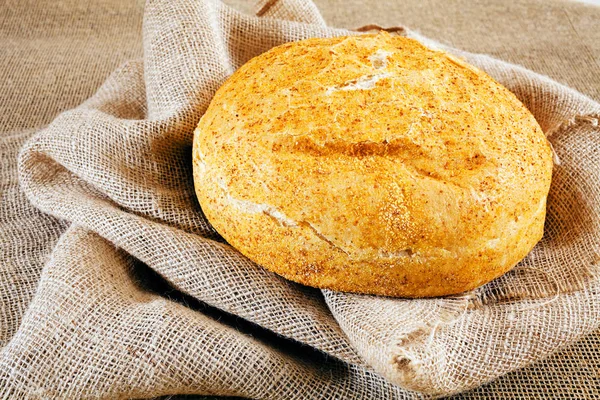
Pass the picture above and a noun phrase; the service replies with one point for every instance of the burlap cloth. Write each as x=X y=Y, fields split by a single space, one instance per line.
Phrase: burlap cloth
x=126 y=290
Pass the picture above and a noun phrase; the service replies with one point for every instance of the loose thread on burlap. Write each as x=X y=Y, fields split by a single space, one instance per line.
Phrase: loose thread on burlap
x=404 y=357
x=555 y=297
x=591 y=119
x=466 y=306
x=263 y=10
x=555 y=158
x=569 y=123
x=399 y=30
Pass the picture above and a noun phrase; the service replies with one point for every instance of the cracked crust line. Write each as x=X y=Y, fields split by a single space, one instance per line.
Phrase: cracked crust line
x=396 y=149
x=323 y=237
x=433 y=176
x=365 y=82
x=251 y=207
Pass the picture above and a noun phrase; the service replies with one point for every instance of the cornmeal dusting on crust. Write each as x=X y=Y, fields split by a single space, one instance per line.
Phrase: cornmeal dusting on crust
x=372 y=164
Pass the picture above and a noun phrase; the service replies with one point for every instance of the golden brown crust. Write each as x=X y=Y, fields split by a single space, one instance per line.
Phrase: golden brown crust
x=372 y=164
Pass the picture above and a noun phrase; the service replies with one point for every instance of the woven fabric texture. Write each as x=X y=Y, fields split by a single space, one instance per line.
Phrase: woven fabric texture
x=140 y=297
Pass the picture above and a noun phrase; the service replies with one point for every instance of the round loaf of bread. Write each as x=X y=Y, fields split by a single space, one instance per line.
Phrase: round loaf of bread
x=372 y=164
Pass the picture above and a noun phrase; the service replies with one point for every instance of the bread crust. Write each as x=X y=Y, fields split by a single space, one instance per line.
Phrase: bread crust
x=372 y=164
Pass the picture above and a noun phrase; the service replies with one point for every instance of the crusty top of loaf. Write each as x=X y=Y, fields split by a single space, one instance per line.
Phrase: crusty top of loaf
x=376 y=147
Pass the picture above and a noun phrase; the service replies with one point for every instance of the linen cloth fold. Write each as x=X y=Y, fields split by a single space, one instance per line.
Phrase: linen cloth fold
x=118 y=170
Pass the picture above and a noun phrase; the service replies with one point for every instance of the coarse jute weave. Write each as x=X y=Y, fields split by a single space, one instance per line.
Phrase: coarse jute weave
x=107 y=317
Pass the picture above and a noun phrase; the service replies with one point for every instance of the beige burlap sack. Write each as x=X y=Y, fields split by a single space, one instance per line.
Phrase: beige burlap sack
x=108 y=321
